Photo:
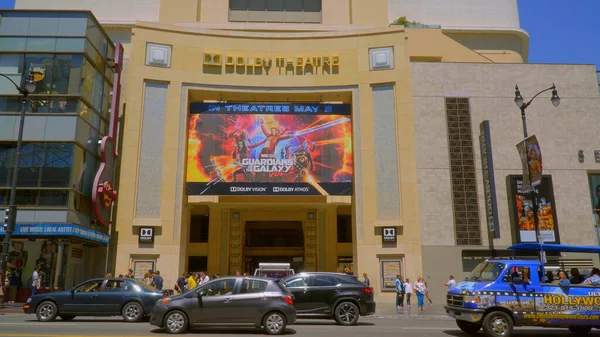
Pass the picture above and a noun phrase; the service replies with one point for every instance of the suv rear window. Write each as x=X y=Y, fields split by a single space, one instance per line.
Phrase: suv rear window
x=349 y=280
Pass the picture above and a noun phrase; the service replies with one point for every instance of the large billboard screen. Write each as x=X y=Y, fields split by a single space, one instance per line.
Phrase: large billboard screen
x=269 y=149
x=522 y=210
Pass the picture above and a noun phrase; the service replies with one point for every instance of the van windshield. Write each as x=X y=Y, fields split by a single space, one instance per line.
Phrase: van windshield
x=487 y=271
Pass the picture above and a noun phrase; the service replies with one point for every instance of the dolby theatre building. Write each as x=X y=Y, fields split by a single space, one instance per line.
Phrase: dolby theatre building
x=313 y=132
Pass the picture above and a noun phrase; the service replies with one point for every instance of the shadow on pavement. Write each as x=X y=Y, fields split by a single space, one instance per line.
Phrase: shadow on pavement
x=525 y=333
x=232 y=331
x=330 y=323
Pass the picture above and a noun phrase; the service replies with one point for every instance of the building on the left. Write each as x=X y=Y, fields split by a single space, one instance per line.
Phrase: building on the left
x=65 y=187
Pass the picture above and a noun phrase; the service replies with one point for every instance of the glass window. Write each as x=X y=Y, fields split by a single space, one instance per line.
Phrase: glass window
x=26 y=197
x=91 y=166
x=106 y=99
x=57 y=165
x=293 y=5
x=517 y=271
x=31 y=162
x=89 y=287
x=275 y=5
x=113 y=286
x=12 y=43
x=253 y=286
x=67 y=74
x=10 y=104
x=595 y=196
x=296 y=282
x=43 y=24
x=217 y=287
x=40 y=44
x=88 y=76
x=487 y=271
x=98 y=90
x=344 y=228
x=312 y=5
x=69 y=44
x=54 y=198
x=7 y=153
x=96 y=37
x=324 y=281
x=199 y=228
x=238 y=4
x=41 y=67
x=11 y=65
x=257 y=5
x=14 y=23
x=72 y=24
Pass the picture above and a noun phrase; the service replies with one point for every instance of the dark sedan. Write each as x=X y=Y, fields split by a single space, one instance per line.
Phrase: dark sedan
x=338 y=296
x=98 y=297
x=238 y=301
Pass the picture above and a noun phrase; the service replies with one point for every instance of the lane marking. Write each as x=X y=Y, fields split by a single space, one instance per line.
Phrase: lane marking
x=38 y=324
x=63 y=335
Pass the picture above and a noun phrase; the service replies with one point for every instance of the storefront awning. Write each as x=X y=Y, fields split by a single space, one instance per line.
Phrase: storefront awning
x=41 y=231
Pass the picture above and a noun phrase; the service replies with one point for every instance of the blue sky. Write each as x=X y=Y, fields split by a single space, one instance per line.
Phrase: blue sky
x=561 y=31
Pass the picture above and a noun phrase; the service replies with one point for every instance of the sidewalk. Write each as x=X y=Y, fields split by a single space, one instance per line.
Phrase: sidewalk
x=386 y=306
x=16 y=308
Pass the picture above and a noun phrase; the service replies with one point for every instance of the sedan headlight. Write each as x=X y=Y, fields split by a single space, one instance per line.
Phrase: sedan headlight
x=29 y=300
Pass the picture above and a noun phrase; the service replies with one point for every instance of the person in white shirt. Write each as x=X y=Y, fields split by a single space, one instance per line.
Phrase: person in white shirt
x=204 y=278
x=451 y=282
x=408 y=289
x=35 y=284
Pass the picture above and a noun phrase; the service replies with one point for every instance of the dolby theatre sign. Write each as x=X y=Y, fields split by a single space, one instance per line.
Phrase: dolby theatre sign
x=258 y=65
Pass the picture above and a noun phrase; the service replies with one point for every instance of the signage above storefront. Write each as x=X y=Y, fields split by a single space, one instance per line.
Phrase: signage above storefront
x=257 y=65
x=389 y=235
x=54 y=230
x=276 y=108
x=146 y=235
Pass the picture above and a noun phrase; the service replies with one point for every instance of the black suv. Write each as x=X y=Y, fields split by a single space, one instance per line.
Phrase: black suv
x=338 y=296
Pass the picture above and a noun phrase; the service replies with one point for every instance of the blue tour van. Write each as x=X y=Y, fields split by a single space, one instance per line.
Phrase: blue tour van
x=502 y=294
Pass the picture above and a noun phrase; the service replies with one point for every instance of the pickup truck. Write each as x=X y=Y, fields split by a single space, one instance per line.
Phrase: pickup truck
x=502 y=294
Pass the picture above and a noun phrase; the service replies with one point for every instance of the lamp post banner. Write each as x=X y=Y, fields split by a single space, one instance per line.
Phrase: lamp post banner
x=522 y=210
x=531 y=159
x=489 y=183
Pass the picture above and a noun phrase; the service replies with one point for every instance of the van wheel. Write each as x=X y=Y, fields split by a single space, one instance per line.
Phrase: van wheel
x=498 y=324
x=468 y=327
x=580 y=330
x=346 y=313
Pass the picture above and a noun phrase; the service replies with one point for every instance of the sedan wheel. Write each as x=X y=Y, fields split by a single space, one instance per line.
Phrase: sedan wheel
x=132 y=312
x=274 y=324
x=176 y=322
x=346 y=313
x=46 y=311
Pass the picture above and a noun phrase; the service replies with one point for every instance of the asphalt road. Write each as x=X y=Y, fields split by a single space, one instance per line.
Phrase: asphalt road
x=21 y=325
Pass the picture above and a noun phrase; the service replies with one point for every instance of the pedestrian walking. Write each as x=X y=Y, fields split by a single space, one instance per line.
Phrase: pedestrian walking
x=157 y=280
x=427 y=291
x=129 y=274
x=204 y=277
x=421 y=290
x=14 y=281
x=367 y=281
x=180 y=283
x=450 y=283
x=35 y=281
x=192 y=281
x=399 y=292
x=408 y=289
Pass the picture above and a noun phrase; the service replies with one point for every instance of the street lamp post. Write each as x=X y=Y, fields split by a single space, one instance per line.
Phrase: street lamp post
x=11 y=214
x=523 y=106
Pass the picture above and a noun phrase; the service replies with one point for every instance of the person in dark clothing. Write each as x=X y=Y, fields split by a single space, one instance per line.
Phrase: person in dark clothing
x=157 y=280
x=576 y=277
x=180 y=284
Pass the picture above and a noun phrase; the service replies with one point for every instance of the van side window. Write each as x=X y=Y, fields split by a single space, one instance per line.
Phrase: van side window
x=517 y=271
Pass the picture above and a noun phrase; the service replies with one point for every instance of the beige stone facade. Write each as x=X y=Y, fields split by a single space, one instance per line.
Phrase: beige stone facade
x=402 y=176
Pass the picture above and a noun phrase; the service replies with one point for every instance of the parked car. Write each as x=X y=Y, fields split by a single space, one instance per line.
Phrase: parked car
x=238 y=300
x=338 y=296
x=97 y=297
